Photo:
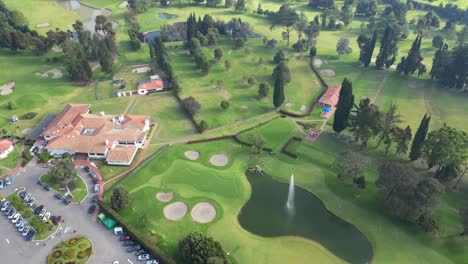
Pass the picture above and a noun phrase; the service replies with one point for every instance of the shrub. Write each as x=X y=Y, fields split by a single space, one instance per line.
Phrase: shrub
x=191 y=105
x=82 y=245
x=251 y=81
x=198 y=248
x=57 y=254
x=263 y=89
x=82 y=254
x=44 y=157
x=69 y=253
x=203 y=125
x=225 y=104
x=11 y=105
x=120 y=198
x=28 y=116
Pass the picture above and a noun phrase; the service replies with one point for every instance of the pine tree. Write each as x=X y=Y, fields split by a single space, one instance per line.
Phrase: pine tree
x=105 y=59
x=370 y=50
x=414 y=59
x=278 y=93
x=419 y=137
x=345 y=104
x=388 y=49
x=191 y=27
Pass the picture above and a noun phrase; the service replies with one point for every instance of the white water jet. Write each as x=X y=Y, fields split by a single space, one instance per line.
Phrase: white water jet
x=290 y=203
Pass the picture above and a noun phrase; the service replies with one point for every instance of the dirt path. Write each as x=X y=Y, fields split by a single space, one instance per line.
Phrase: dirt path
x=382 y=79
x=130 y=104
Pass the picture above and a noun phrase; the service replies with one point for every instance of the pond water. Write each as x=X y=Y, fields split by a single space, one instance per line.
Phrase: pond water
x=266 y=214
x=166 y=16
x=87 y=14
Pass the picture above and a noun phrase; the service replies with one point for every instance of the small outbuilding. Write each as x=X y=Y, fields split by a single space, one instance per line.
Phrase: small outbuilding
x=6 y=147
x=154 y=84
x=330 y=98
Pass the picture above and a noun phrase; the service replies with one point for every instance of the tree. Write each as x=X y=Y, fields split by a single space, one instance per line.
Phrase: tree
x=218 y=54
x=197 y=248
x=451 y=67
x=390 y=119
x=437 y=41
x=367 y=8
x=203 y=125
x=366 y=46
x=191 y=105
x=464 y=216
x=388 y=49
x=76 y=62
x=462 y=36
x=227 y=65
x=191 y=27
x=286 y=18
x=312 y=31
x=135 y=43
x=120 y=198
x=301 y=24
x=445 y=148
x=403 y=139
x=228 y=3
x=414 y=59
x=238 y=31
x=342 y=47
x=139 y=6
x=240 y=6
x=366 y=121
x=143 y=220
x=251 y=81
x=313 y=52
x=11 y=105
x=344 y=106
x=207 y=24
x=257 y=141
x=350 y=165
x=105 y=59
x=278 y=93
x=263 y=89
x=419 y=137
x=282 y=71
x=322 y=4
x=405 y=194
x=279 y=57
x=224 y=104
x=63 y=173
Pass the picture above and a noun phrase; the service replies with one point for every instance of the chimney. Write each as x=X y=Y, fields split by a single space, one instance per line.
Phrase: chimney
x=101 y=113
x=106 y=142
x=121 y=118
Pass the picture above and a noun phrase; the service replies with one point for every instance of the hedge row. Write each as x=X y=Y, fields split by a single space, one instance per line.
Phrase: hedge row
x=189 y=115
x=209 y=139
x=285 y=147
x=238 y=140
x=136 y=235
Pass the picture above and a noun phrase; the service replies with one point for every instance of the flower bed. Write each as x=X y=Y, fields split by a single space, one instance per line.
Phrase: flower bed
x=76 y=250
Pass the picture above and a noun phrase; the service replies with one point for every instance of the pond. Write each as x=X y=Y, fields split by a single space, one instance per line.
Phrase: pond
x=266 y=214
x=87 y=13
x=166 y=16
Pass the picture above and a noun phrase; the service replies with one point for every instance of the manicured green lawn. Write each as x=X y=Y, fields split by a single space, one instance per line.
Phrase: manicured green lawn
x=12 y=160
x=79 y=192
x=76 y=250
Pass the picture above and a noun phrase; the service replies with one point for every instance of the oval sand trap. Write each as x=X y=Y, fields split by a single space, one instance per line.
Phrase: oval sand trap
x=175 y=211
x=328 y=72
x=165 y=196
x=7 y=88
x=203 y=212
x=192 y=155
x=219 y=160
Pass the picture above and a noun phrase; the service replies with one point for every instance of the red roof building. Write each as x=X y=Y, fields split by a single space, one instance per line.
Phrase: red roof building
x=154 y=84
x=330 y=97
x=6 y=147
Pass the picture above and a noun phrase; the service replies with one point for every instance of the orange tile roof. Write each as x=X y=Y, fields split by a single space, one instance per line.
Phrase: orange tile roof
x=152 y=84
x=331 y=96
x=121 y=154
x=65 y=121
x=5 y=145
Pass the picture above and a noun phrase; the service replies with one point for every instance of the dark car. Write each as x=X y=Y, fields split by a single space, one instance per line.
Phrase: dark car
x=133 y=248
x=95 y=198
x=129 y=243
x=46 y=187
x=58 y=196
x=56 y=219
x=30 y=234
x=38 y=209
x=40 y=182
x=141 y=252
x=86 y=168
x=124 y=238
x=66 y=201
x=22 y=194
x=91 y=209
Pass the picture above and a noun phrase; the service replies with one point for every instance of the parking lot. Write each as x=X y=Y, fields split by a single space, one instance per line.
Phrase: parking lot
x=77 y=221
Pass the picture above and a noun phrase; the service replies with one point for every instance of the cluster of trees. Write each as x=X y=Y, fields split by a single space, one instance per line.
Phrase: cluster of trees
x=449 y=11
x=140 y=6
x=450 y=67
x=160 y=59
x=133 y=32
x=239 y=31
x=199 y=55
x=63 y=173
x=367 y=8
x=281 y=75
x=322 y=4
x=196 y=248
x=413 y=61
x=366 y=46
x=427 y=22
x=120 y=198
x=206 y=30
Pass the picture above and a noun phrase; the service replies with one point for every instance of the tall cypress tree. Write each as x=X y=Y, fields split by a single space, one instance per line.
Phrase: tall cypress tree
x=388 y=49
x=345 y=104
x=191 y=27
x=419 y=138
x=278 y=94
x=105 y=58
x=414 y=59
x=370 y=50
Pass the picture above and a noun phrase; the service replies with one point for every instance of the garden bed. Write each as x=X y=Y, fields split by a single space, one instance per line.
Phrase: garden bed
x=76 y=250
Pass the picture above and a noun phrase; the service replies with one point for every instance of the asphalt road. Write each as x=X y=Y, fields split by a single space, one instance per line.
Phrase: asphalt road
x=15 y=249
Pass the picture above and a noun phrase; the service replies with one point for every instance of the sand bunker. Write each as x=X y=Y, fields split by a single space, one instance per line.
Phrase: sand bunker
x=328 y=72
x=192 y=155
x=56 y=49
x=7 y=88
x=56 y=73
x=245 y=107
x=288 y=104
x=318 y=63
x=141 y=70
x=175 y=211
x=165 y=196
x=43 y=25
x=219 y=160
x=203 y=212
x=124 y=4
x=303 y=108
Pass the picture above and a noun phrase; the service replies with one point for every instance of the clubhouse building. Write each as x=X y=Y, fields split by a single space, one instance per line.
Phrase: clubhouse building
x=115 y=138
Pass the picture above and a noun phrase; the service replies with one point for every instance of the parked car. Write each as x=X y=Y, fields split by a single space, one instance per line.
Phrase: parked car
x=26 y=230
x=96 y=188
x=31 y=202
x=8 y=210
x=141 y=252
x=38 y=209
x=152 y=261
x=129 y=243
x=30 y=234
x=91 y=209
x=95 y=180
x=41 y=183
x=92 y=174
x=144 y=257
x=12 y=213
x=46 y=187
x=42 y=213
x=45 y=217
x=15 y=218
x=58 y=196
x=1 y=184
x=86 y=168
x=133 y=248
x=124 y=238
x=95 y=198
x=56 y=219
x=27 y=197
x=19 y=222
x=66 y=201
x=22 y=194
x=22 y=226
x=5 y=206
x=8 y=180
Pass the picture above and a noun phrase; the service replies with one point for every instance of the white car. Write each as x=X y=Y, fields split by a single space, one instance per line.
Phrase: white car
x=31 y=202
x=152 y=261
x=15 y=218
x=42 y=213
x=5 y=206
x=1 y=184
x=26 y=230
x=19 y=222
x=46 y=216
x=144 y=257
x=27 y=198
x=22 y=226
x=12 y=213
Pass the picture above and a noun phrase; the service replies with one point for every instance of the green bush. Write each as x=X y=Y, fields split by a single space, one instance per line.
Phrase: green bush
x=28 y=116
x=82 y=245
x=44 y=157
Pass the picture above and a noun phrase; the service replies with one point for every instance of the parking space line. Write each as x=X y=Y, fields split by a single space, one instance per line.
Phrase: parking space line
x=130 y=261
x=8 y=241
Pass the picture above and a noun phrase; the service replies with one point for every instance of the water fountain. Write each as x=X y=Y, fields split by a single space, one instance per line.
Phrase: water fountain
x=290 y=203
